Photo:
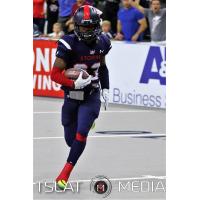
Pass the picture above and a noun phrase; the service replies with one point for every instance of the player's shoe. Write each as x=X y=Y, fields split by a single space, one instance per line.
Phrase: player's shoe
x=61 y=184
x=63 y=177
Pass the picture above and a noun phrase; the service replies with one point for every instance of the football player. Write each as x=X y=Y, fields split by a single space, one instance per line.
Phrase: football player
x=85 y=50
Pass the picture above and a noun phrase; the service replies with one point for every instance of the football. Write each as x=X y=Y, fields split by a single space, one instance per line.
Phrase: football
x=73 y=73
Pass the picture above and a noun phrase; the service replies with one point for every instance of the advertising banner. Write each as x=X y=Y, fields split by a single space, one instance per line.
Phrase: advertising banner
x=44 y=57
x=137 y=73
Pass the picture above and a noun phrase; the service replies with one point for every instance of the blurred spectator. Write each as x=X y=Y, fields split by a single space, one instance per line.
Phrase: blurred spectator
x=57 y=31
x=144 y=3
x=147 y=3
x=106 y=29
x=36 y=32
x=110 y=11
x=52 y=14
x=38 y=14
x=75 y=6
x=70 y=29
x=91 y=2
x=131 y=23
x=163 y=3
x=157 y=19
x=65 y=9
x=78 y=4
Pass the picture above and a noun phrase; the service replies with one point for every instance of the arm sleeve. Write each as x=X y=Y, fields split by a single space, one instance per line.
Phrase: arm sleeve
x=107 y=44
x=58 y=77
x=63 y=51
x=104 y=77
x=103 y=70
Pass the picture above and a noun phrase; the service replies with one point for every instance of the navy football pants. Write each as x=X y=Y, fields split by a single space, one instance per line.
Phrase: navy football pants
x=78 y=117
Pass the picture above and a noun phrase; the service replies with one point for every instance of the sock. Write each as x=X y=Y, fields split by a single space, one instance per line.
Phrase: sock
x=77 y=148
x=65 y=173
x=75 y=152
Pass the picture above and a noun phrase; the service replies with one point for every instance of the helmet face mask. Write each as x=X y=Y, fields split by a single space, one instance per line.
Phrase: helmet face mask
x=87 y=28
x=87 y=33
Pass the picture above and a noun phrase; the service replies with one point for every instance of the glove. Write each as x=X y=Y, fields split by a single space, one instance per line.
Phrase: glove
x=80 y=83
x=105 y=95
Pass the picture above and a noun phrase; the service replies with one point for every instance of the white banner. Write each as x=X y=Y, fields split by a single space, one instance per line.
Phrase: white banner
x=137 y=74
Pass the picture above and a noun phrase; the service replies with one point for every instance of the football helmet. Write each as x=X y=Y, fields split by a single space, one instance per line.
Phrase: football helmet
x=87 y=23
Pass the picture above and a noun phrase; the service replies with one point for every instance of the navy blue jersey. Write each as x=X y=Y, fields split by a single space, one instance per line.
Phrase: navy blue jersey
x=77 y=54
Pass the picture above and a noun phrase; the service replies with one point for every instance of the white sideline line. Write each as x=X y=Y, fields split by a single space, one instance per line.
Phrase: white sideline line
x=102 y=111
x=143 y=177
x=106 y=136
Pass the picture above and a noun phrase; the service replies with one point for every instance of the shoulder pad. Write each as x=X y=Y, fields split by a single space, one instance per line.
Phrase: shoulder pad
x=105 y=39
x=67 y=41
x=106 y=42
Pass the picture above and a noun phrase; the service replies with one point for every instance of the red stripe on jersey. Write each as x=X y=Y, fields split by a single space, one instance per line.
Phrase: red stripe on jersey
x=86 y=12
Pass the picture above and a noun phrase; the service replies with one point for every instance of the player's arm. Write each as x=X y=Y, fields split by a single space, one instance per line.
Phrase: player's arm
x=63 y=55
x=58 y=76
x=57 y=73
x=103 y=74
x=104 y=80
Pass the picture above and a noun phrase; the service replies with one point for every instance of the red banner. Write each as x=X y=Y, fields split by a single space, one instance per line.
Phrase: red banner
x=44 y=57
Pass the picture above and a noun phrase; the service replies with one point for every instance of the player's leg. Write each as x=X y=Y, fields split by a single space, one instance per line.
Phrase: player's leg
x=88 y=111
x=69 y=120
x=70 y=133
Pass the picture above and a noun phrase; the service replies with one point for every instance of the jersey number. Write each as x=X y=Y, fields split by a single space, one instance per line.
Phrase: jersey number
x=94 y=67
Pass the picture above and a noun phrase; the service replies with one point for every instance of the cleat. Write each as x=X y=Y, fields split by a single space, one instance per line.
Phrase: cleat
x=61 y=184
x=62 y=179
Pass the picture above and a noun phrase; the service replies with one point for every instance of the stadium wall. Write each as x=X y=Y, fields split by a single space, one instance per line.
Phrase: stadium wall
x=137 y=73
